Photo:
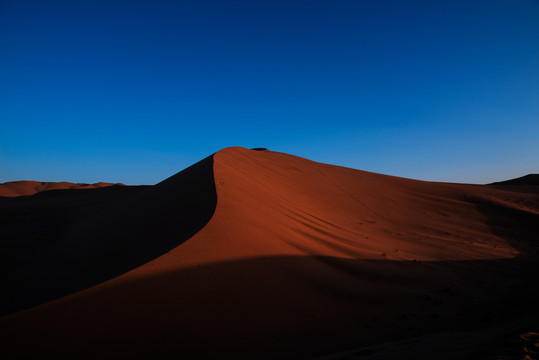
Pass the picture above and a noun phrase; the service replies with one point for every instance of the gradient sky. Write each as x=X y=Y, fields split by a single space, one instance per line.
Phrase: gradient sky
x=135 y=91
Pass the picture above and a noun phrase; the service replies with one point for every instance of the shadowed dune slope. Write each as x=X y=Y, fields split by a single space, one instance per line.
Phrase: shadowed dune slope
x=525 y=184
x=299 y=259
x=58 y=242
x=530 y=179
x=26 y=188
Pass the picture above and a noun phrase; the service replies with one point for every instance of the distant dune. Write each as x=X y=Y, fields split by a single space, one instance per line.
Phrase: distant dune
x=26 y=188
x=259 y=254
x=530 y=179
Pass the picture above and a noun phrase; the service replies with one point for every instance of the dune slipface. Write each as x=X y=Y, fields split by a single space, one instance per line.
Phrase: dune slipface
x=299 y=259
x=87 y=237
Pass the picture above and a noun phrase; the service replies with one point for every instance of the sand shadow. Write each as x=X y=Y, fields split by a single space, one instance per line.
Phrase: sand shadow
x=518 y=227
x=276 y=307
x=61 y=241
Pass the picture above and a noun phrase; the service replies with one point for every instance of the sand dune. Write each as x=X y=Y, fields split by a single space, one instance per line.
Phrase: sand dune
x=73 y=240
x=258 y=254
x=530 y=179
x=27 y=188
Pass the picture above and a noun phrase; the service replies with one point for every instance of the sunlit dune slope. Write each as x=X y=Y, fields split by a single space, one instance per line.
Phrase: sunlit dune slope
x=26 y=188
x=298 y=259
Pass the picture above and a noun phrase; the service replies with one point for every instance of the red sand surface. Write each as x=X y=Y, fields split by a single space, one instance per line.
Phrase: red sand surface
x=297 y=259
x=25 y=188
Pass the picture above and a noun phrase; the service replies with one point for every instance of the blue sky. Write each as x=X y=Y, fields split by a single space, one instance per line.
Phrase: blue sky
x=135 y=91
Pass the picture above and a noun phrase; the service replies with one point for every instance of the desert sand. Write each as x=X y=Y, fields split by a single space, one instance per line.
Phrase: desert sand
x=26 y=188
x=259 y=254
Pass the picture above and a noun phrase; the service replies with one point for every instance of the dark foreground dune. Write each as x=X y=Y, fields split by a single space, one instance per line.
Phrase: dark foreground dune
x=63 y=241
x=258 y=254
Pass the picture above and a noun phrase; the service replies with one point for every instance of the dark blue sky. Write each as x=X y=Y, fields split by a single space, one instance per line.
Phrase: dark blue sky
x=134 y=91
